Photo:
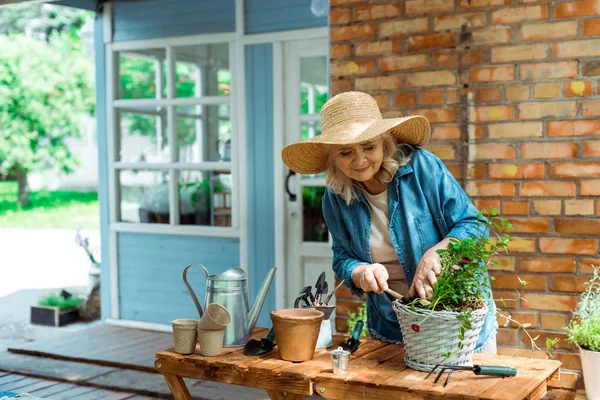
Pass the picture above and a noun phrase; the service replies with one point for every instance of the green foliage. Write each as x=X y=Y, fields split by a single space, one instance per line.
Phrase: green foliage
x=48 y=209
x=354 y=317
x=60 y=302
x=584 y=329
x=311 y=197
x=44 y=89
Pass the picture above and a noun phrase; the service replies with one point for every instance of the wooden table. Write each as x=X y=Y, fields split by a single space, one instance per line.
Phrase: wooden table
x=376 y=371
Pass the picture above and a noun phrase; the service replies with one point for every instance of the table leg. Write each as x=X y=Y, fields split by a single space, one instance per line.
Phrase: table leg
x=178 y=387
x=276 y=395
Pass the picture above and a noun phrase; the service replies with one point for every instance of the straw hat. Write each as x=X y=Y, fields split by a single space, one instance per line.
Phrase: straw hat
x=349 y=118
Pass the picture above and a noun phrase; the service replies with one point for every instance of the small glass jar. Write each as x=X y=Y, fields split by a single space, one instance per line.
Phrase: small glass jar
x=339 y=361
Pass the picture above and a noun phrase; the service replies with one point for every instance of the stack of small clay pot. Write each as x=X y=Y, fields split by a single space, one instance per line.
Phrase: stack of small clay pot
x=208 y=332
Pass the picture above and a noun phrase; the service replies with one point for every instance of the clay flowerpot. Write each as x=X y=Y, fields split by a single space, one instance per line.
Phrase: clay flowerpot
x=215 y=317
x=296 y=332
x=211 y=342
x=184 y=335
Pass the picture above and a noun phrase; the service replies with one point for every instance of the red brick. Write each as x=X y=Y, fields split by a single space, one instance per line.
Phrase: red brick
x=346 y=68
x=493 y=74
x=590 y=108
x=514 y=171
x=474 y=57
x=491 y=151
x=503 y=263
x=340 y=86
x=515 y=207
x=477 y=134
x=562 y=343
x=553 y=322
x=568 y=246
x=507 y=351
x=521 y=245
x=575 y=170
x=339 y=51
x=548 y=109
x=539 y=71
x=456 y=21
x=568 y=360
x=379 y=47
x=452 y=96
x=550 y=302
x=487 y=189
x=340 y=16
x=546 y=90
x=590 y=187
x=495 y=113
x=587 y=265
x=512 y=15
x=378 y=11
x=515 y=130
x=573 y=128
x=378 y=83
x=578 y=88
x=485 y=204
x=435 y=115
x=487 y=95
x=445 y=60
x=591 y=68
x=431 y=97
x=547 y=265
x=519 y=317
x=569 y=283
x=483 y=3
x=382 y=100
x=576 y=48
x=335 y=3
x=586 y=8
x=547 y=207
x=517 y=92
x=530 y=225
x=591 y=148
x=547 y=189
x=417 y=7
x=537 y=282
x=527 y=52
x=577 y=226
x=433 y=41
x=549 y=31
x=454 y=170
x=591 y=27
x=476 y=171
x=350 y=32
x=445 y=132
x=549 y=150
x=507 y=337
x=400 y=63
x=403 y=27
x=579 y=207
x=406 y=99
x=490 y=36
x=431 y=78
x=443 y=152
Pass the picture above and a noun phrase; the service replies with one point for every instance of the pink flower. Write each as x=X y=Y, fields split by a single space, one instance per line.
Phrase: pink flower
x=465 y=260
x=455 y=267
x=415 y=328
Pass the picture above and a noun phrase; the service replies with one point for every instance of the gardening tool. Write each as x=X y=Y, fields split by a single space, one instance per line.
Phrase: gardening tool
x=331 y=294
x=304 y=295
x=230 y=289
x=319 y=286
x=308 y=289
x=325 y=290
x=476 y=369
x=257 y=347
x=395 y=295
x=352 y=343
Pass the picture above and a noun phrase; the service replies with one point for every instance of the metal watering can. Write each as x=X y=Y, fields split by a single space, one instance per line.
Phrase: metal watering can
x=230 y=289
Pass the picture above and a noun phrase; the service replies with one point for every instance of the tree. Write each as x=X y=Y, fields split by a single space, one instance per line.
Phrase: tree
x=44 y=89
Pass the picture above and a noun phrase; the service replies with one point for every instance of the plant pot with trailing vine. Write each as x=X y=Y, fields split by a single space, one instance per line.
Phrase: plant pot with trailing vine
x=584 y=331
x=56 y=310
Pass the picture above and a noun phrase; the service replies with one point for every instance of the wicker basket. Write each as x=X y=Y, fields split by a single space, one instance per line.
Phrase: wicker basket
x=437 y=335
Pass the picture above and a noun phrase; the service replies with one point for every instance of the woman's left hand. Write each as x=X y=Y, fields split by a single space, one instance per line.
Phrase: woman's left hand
x=427 y=271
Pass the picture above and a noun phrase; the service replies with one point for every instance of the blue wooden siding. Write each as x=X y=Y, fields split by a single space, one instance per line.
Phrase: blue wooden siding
x=150 y=267
x=261 y=214
x=148 y=19
x=277 y=15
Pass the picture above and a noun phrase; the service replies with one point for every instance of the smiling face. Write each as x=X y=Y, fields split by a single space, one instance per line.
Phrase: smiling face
x=361 y=161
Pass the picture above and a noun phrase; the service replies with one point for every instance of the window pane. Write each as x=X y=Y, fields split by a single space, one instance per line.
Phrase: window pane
x=202 y=70
x=313 y=84
x=313 y=223
x=205 y=198
x=143 y=135
x=310 y=129
x=203 y=133
x=142 y=74
x=144 y=196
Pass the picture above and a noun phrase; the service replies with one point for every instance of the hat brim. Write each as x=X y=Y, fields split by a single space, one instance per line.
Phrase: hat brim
x=310 y=156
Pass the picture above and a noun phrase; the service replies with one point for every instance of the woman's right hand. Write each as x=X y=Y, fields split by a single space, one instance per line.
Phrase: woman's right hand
x=371 y=278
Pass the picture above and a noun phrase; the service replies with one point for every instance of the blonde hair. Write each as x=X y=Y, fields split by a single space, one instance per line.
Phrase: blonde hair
x=348 y=188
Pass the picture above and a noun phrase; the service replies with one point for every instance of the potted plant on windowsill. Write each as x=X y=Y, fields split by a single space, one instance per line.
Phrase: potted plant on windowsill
x=56 y=310
x=584 y=331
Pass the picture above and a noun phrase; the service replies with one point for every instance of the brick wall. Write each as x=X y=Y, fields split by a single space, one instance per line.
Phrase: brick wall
x=511 y=90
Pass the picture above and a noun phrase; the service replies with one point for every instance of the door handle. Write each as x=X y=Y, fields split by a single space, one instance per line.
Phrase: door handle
x=291 y=195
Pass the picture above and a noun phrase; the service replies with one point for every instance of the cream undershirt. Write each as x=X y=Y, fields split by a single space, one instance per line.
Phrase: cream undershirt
x=382 y=250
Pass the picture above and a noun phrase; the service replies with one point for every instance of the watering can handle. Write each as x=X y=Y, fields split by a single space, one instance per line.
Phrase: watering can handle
x=189 y=288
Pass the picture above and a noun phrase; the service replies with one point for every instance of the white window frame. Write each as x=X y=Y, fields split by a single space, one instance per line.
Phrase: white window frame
x=113 y=135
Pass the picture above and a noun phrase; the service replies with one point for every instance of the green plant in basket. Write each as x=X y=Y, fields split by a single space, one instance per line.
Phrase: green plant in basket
x=61 y=302
x=584 y=328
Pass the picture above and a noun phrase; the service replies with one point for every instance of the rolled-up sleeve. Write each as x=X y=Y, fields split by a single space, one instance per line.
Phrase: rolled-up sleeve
x=343 y=261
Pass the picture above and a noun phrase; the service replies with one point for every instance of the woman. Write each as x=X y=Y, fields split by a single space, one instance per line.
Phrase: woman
x=388 y=207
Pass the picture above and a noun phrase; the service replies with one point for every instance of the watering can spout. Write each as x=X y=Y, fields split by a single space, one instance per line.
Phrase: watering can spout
x=259 y=301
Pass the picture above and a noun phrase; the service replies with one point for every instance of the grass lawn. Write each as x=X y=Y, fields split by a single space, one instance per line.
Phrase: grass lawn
x=48 y=209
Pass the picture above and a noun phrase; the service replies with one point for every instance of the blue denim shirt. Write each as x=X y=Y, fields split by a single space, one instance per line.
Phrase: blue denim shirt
x=426 y=205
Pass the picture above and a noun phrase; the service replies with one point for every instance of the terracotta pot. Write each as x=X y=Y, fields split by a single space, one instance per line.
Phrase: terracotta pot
x=296 y=332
